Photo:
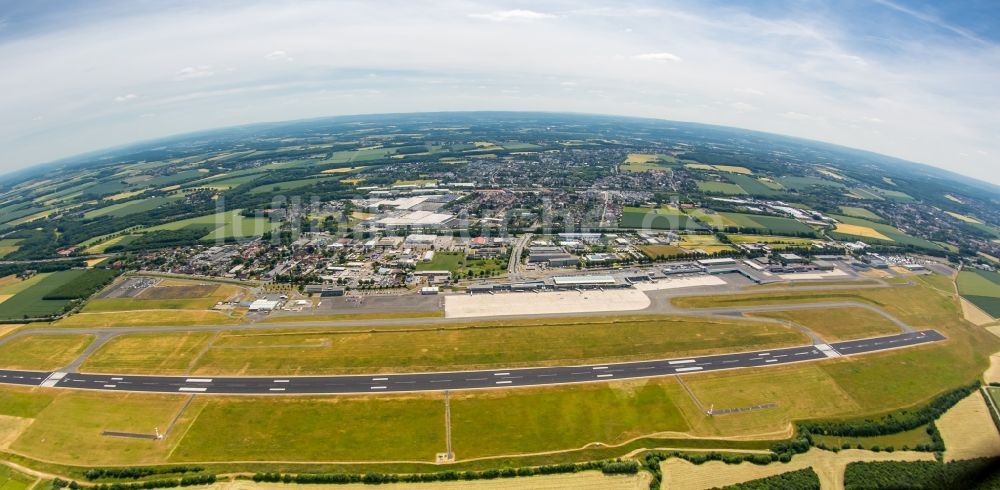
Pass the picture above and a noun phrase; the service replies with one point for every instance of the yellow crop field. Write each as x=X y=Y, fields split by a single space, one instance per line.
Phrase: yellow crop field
x=641 y=158
x=862 y=231
x=734 y=169
x=682 y=475
x=699 y=166
x=962 y=217
x=968 y=430
x=343 y=170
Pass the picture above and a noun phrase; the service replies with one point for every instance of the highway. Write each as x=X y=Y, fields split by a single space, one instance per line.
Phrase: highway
x=461 y=380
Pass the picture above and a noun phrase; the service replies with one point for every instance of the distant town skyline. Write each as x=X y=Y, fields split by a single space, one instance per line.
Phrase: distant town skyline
x=914 y=80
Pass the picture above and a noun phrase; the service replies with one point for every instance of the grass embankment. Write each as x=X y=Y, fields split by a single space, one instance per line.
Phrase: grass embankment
x=839 y=323
x=440 y=347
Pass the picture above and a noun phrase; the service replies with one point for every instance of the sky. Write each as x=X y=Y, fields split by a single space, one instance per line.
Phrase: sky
x=915 y=80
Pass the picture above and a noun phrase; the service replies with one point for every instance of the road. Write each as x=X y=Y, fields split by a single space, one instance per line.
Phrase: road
x=461 y=380
x=515 y=255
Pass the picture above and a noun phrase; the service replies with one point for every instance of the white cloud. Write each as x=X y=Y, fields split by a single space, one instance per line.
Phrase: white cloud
x=661 y=57
x=192 y=72
x=803 y=73
x=278 y=56
x=513 y=15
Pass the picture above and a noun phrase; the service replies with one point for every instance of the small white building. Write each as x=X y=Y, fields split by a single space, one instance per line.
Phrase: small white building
x=263 y=305
x=429 y=290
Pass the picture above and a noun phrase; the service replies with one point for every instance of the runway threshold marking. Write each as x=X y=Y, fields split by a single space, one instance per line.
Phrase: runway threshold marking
x=192 y=389
x=198 y=380
x=686 y=369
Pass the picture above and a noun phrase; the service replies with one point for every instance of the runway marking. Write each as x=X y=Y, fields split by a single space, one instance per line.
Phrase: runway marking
x=477 y=379
x=771 y=360
x=504 y=382
x=188 y=388
x=281 y=381
x=116 y=379
x=198 y=380
x=501 y=374
x=110 y=386
x=378 y=387
x=546 y=375
x=380 y=379
x=681 y=370
x=645 y=368
x=686 y=361
x=730 y=361
x=276 y=389
x=440 y=381
x=599 y=367
x=604 y=375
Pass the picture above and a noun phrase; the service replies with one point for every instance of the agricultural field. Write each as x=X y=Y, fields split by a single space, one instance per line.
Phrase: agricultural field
x=776 y=242
x=223 y=225
x=28 y=298
x=721 y=168
x=435 y=348
x=805 y=183
x=754 y=187
x=856 y=212
x=42 y=352
x=644 y=162
x=9 y=246
x=715 y=187
x=865 y=230
x=133 y=206
x=13 y=480
x=981 y=288
x=834 y=325
x=663 y=218
x=773 y=225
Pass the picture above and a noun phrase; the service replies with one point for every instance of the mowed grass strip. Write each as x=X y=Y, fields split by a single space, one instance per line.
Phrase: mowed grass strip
x=800 y=391
x=838 y=323
x=148 y=318
x=468 y=346
x=545 y=419
x=158 y=353
x=68 y=429
x=378 y=428
x=42 y=352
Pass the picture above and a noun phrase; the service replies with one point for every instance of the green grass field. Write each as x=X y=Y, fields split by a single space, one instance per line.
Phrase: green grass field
x=151 y=353
x=898 y=441
x=456 y=262
x=134 y=206
x=13 y=480
x=774 y=225
x=892 y=232
x=291 y=185
x=227 y=224
x=862 y=213
x=28 y=302
x=664 y=218
x=320 y=429
x=712 y=187
x=42 y=352
x=436 y=348
x=522 y=421
x=752 y=186
x=981 y=288
x=839 y=323
x=9 y=246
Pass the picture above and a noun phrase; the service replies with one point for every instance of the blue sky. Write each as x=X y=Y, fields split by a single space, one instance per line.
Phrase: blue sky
x=916 y=80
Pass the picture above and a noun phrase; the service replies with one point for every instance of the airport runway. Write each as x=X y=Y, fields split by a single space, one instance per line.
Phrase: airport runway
x=460 y=380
